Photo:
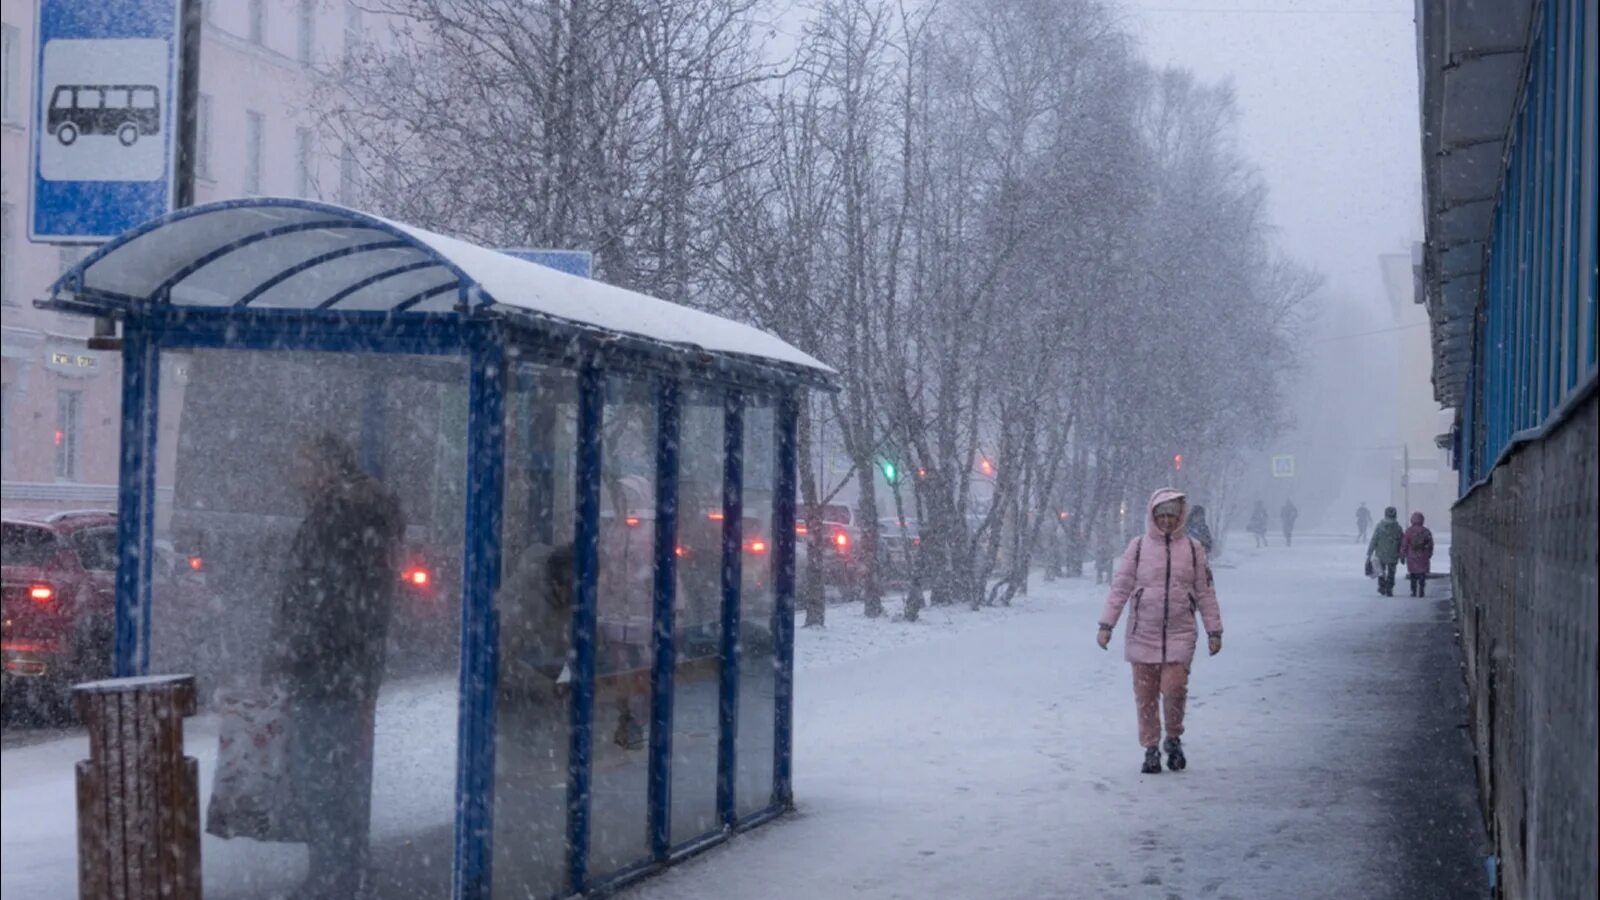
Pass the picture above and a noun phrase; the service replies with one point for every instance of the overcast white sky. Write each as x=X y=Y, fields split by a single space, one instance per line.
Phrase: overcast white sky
x=1328 y=93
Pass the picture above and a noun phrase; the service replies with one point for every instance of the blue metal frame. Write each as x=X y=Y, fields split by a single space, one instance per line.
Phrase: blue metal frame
x=732 y=574
x=135 y=501
x=783 y=548
x=480 y=641
x=1529 y=352
x=586 y=560
x=668 y=411
x=373 y=279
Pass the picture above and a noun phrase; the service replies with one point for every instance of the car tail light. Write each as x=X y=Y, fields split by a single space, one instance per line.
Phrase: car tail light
x=756 y=547
x=801 y=530
x=714 y=516
x=631 y=521
x=196 y=564
x=41 y=593
x=841 y=540
x=679 y=551
x=416 y=577
x=916 y=542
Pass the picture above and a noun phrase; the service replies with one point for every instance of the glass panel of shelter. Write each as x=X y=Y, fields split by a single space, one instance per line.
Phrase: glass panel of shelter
x=753 y=768
x=624 y=605
x=312 y=505
x=534 y=604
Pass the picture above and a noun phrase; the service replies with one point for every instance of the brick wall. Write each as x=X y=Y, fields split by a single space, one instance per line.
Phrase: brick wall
x=1524 y=565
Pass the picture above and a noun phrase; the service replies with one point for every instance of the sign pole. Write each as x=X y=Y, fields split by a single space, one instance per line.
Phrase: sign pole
x=190 y=25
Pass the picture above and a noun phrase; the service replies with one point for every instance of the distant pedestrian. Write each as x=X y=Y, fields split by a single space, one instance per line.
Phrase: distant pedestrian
x=1363 y=522
x=1258 y=523
x=1197 y=527
x=1416 y=548
x=1288 y=514
x=1165 y=577
x=1384 y=548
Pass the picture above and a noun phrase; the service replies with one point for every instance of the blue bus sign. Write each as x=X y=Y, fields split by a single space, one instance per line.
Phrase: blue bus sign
x=572 y=262
x=105 y=111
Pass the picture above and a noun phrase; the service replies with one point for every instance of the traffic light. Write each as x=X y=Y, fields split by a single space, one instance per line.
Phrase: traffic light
x=890 y=471
x=1177 y=462
x=985 y=466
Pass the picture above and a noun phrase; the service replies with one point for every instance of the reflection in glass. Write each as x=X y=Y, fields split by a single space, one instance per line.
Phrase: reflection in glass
x=534 y=604
x=698 y=618
x=756 y=735
x=619 y=817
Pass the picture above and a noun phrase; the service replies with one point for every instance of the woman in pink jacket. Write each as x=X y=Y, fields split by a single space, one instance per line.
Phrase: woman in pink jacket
x=1165 y=577
x=1416 y=548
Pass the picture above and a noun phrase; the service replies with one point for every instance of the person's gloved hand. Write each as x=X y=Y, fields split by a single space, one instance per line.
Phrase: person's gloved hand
x=1214 y=644
x=1103 y=638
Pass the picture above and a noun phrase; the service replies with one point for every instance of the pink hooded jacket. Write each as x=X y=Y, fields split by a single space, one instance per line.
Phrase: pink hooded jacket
x=1166 y=578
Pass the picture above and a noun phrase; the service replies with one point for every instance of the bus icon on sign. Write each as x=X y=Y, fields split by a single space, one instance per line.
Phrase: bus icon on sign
x=124 y=110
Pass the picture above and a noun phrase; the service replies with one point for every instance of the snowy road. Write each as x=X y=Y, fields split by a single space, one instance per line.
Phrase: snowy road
x=997 y=759
x=992 y=755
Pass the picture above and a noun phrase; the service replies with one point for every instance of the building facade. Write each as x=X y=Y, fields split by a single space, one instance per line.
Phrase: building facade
x=262 y=63
x=1419 y=469
x=1509 y=151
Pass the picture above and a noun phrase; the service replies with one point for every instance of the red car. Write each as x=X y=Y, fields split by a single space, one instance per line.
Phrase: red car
x=59 y=580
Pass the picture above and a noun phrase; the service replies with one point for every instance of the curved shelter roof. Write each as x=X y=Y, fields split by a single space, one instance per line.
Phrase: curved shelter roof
x=289 y=254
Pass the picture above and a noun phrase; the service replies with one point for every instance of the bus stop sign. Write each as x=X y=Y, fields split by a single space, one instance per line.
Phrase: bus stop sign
x=1283 y=466
x=105 y=84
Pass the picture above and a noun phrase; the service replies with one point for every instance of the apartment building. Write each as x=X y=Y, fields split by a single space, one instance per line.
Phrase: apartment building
x=262 y=63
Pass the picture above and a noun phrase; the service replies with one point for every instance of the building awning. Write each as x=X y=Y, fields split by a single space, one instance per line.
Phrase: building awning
x=290 y=254
x=1471 y=57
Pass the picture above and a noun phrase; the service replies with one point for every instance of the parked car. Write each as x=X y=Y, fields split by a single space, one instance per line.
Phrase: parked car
x=59 y=582
x=842 y=565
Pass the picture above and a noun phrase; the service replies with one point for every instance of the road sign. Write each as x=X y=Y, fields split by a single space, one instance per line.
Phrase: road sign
x=105 y=84
x=1283 y=466
x=572 y=262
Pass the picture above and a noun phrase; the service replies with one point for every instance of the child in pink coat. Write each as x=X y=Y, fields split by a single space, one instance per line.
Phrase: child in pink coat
x=1165 y=578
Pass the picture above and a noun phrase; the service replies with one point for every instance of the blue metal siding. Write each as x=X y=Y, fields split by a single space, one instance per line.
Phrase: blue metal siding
x=1534 y=340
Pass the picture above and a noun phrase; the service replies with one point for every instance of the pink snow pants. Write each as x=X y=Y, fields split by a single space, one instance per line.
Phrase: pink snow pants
x=1161 y=684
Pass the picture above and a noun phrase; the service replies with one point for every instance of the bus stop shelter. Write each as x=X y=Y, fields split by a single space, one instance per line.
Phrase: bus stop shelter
x=517 y=414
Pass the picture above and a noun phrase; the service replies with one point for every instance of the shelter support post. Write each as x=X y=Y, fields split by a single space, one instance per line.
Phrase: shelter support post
x=783 y=548
x=130 y=643
x=666 y=577
x=479 y=624
x=586 y=565
x=732 y=572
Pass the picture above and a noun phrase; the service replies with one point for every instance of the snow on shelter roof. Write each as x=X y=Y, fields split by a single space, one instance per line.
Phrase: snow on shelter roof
x=290 y=254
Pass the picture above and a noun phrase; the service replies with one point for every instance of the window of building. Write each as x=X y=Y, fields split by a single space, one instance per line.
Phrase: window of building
x=202 y=137
x=308 y=31
x=69 y=409
x=254 y=137
x=349 y=178
x=352 y=30
x=258 y=21
x=305 y=163
x=10 y=74
x=7 y=233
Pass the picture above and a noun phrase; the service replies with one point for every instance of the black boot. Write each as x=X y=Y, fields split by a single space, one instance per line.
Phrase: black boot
x=1176 y=761
x=1152 y=761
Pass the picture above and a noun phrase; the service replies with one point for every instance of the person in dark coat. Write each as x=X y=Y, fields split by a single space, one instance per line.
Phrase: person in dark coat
x=1288 y=514
x=1198 y=529
x=1258 y=523
x=1416 y=548
x=1384 y=548
x=1363 y=521
x=330 y=627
